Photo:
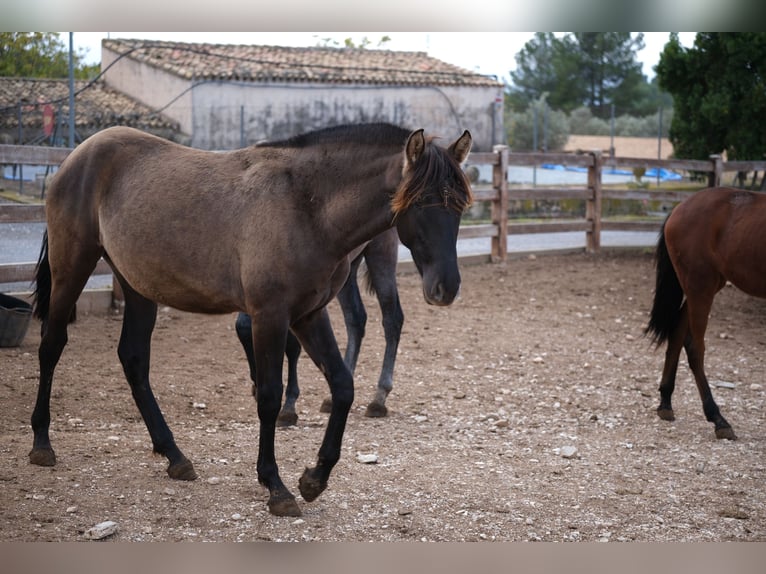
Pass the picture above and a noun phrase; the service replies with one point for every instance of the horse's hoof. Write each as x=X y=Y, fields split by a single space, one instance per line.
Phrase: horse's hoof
x=326 y=406
x=287 y=419
x=283 y=504
x=42 y=456
x=726 y=432
x=309 y=486
x=666 y=414
x=183 y=470
x=376 y=410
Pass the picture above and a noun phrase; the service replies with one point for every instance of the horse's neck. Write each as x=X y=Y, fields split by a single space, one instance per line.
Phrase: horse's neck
x=356 y=206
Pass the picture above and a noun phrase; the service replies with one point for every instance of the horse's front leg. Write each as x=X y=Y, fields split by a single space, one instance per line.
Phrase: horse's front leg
x=316 y=335
x=269 y=340
x=287 y=416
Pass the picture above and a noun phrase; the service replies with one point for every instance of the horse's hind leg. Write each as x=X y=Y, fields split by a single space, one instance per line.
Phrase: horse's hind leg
x=355 y=319
x=134 y=350
x=699 y=309
x=676 y=342
x=57 y=295
x=287 y=415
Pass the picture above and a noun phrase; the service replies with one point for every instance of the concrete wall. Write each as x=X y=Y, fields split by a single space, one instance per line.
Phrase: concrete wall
x=151 y=86
x=229 y=115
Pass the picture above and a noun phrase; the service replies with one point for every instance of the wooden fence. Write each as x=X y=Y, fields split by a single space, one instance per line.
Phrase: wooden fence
x=499 y=193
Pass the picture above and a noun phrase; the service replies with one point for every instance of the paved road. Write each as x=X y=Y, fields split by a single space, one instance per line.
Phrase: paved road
x=20 y=243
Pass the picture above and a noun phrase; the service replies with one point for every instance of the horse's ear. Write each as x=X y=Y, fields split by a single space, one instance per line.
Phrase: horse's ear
x=416 y=143
x=460 y=148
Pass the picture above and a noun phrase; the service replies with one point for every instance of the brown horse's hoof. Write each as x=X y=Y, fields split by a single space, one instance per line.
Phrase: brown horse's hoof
x=42 y=456
x=287 y=419
x=726 y=432
x=666 y=414
x=183 y=470
x=283 y=504
x=309 y=486
x=376 y=410
x=326 y=406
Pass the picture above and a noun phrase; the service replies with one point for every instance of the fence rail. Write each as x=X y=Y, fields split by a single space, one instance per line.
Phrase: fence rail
x=498 y=193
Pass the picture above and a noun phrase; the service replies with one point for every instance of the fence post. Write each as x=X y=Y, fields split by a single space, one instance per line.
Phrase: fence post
x=714 y=176
x=593 y=204
x=499 y=251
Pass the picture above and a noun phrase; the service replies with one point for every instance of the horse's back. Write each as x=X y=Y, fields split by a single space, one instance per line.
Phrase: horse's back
x=721 y=230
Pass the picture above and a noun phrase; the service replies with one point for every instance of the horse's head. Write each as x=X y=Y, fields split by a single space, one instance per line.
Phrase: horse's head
x=428 y=205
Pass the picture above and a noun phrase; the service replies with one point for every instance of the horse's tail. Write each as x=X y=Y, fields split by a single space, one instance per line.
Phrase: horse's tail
x=668 y=295
x=42 y=292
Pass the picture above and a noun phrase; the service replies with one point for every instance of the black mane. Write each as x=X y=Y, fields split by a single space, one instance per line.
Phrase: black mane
x=349 y=133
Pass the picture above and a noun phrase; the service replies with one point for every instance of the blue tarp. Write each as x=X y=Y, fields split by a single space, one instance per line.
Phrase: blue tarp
x=664 y=174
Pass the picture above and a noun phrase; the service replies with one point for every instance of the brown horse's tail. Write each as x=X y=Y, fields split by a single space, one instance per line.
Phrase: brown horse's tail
x=668 y=296
x=42 y=293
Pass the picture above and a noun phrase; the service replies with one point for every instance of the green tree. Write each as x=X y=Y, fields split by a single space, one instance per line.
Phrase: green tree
x=39 y=55
x=552 y=127
x=595 y=69
x=542 y=68
x=719 y=94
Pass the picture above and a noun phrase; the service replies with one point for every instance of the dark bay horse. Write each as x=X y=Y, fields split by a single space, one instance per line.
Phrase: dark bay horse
x=380 y=256
x=262 y=230
x=716 y=235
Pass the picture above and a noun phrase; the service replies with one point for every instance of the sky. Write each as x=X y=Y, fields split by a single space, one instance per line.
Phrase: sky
x=491 y=53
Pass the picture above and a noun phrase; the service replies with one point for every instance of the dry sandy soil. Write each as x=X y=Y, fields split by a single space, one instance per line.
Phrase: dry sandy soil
x=526 y=411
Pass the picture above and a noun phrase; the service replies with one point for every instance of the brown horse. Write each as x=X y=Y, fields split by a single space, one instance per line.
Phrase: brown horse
x=715 y=236
x=380 y=256
x=265 y=230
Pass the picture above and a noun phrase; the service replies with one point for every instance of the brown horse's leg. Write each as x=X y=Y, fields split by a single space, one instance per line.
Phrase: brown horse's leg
x=670 y=368
x=269 y=343
x=60 y=302
x=699 y=309
x=134 y=350
x=318 y=340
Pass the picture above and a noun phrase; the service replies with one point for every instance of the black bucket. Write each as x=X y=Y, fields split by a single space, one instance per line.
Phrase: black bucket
x=15 y=316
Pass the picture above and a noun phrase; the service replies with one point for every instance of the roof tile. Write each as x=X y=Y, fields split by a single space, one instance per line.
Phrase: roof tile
x=289 y=64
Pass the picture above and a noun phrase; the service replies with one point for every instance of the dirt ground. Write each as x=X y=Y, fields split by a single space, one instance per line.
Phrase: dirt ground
x=526 y=411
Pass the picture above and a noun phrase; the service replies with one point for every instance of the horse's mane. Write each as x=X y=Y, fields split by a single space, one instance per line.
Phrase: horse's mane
x=436 y=164
x=377 y=133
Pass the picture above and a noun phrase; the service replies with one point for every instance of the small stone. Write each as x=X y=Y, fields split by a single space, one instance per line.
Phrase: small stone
x=371 y=458
x=199 y=406
x=170 y=491
x=74 y=422
x=459 y=395
x=404 y=511
x=538 y=360
x=237 y=516
x=71 y=509
x=724 y=384
x=298 y=522
x=214 y=480
x=502 y=423
x=568 y=451
x=102 y=530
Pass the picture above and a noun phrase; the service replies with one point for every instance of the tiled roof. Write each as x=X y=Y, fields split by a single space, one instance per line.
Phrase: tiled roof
x=286 y=64
x=96 y=105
